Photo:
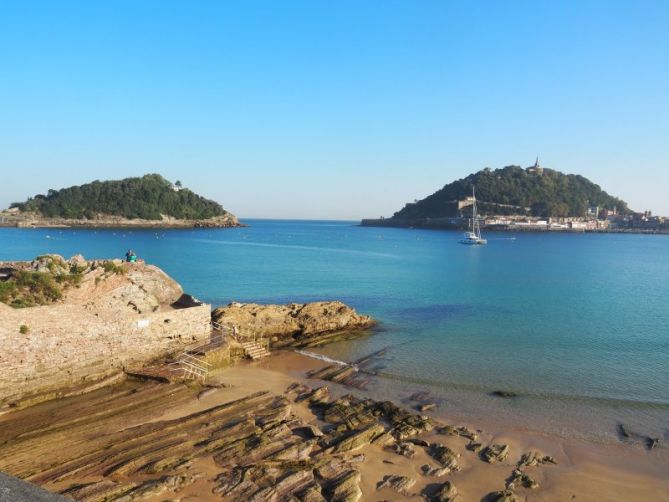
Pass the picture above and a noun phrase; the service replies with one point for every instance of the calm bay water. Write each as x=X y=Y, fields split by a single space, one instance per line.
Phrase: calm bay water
x=577 y=325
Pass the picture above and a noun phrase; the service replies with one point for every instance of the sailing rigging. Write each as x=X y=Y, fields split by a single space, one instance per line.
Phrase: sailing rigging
x=473 y=237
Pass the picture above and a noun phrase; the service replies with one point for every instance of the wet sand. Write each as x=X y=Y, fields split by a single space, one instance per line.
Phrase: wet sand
x=35 y=442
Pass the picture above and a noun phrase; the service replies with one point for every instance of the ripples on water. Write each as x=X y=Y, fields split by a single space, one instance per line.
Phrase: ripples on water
x=576 y=325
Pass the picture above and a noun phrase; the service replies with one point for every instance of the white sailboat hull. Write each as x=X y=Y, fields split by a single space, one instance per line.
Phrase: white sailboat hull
x=474 y=242
x=473 y=239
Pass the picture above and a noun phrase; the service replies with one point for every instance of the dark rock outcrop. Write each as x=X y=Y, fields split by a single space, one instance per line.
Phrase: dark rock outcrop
x=518 y=478
x=495 y=453
x=503 y=393
x=401 y=484
x=502 y=496
x=446 y=493
x=445 y=456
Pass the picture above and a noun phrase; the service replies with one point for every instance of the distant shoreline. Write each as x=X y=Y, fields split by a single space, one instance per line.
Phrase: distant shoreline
x=425 y=225
x=17 y=221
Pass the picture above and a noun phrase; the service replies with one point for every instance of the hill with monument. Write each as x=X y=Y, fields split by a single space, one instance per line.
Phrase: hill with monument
x=513 y=191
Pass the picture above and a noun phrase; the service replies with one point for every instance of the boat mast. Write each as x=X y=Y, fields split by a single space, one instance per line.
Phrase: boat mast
x=475 y=227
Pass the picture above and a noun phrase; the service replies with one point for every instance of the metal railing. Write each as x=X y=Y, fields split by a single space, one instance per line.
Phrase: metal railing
x=195 y=368
x=241 y=335
x=212 y=343
x=190 y=363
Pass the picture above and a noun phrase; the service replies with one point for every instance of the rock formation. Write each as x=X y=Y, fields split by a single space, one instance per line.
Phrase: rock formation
x=118 y=445
x=90 y=320
x=495 y=453
x=295 y=324
x=94 y=284
x=255 y=442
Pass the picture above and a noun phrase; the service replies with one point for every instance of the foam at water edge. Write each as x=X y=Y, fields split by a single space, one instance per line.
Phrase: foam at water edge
x=326 y=359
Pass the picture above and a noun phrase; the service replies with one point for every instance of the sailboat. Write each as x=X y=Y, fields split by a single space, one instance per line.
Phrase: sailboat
x=473 y=237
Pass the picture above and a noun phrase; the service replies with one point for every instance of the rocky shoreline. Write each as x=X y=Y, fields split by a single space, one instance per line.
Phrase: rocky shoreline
x=255 y=433
x=436 y=224
x=262 y=447
x=298 y=325
x=71 y=326
x=21 y=220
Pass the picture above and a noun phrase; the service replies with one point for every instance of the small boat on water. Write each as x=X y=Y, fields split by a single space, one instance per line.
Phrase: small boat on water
x=473 y=237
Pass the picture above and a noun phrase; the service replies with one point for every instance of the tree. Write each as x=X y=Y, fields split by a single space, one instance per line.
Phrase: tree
x=550 y=193
x=147 y=197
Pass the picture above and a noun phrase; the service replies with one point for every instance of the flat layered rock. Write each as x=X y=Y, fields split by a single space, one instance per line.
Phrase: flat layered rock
x=400 y=484
x=294 y=324
x=262 y=451
x=345 y=488
x=357 y=439
x=437 y=472
x=444 y=455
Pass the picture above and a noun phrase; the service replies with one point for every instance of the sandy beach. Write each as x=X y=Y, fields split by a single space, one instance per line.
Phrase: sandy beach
x=58 y=436
x=585 y=471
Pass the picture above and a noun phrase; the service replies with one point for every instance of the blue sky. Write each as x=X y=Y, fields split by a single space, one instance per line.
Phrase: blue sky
x=341 y=109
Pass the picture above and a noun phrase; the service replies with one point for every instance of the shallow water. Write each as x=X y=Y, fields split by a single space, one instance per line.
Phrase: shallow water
x=576 y=325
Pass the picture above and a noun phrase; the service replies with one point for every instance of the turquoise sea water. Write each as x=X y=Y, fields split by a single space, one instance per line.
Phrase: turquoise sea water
x=577 y=325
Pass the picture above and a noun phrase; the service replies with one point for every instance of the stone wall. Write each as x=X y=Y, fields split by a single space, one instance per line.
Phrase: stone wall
x=68 y=345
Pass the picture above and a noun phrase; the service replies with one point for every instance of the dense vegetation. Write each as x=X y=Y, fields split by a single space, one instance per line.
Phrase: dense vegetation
x=543 y=193
x=27 y=288
x=48 y=280
x=147 y=197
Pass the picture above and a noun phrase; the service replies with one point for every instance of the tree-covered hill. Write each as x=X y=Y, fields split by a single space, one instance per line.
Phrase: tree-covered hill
x=544 y=192
x=147 y=198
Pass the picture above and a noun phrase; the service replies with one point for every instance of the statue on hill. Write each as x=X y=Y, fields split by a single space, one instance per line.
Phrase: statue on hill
x=536 y=168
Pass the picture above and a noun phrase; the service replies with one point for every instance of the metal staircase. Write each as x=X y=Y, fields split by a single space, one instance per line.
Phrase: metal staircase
x=192 y=364
x=255 y=346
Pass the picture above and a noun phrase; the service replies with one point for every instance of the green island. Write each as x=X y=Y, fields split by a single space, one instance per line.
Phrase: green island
x=516 y=198
x=150 y=200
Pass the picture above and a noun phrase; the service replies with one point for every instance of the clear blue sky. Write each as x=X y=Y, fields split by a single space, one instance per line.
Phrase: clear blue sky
x=332 y=109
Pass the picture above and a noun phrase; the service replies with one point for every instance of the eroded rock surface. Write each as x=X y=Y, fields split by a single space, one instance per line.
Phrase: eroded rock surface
x=445 y=456
x=259 y=447
x=438 y=472
x=518 y=478
x=502 y=496
x=445 y=493
x=295 y=324
x=263 y=451
x=83 y=322
x=495 y=453
x=401 y=484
